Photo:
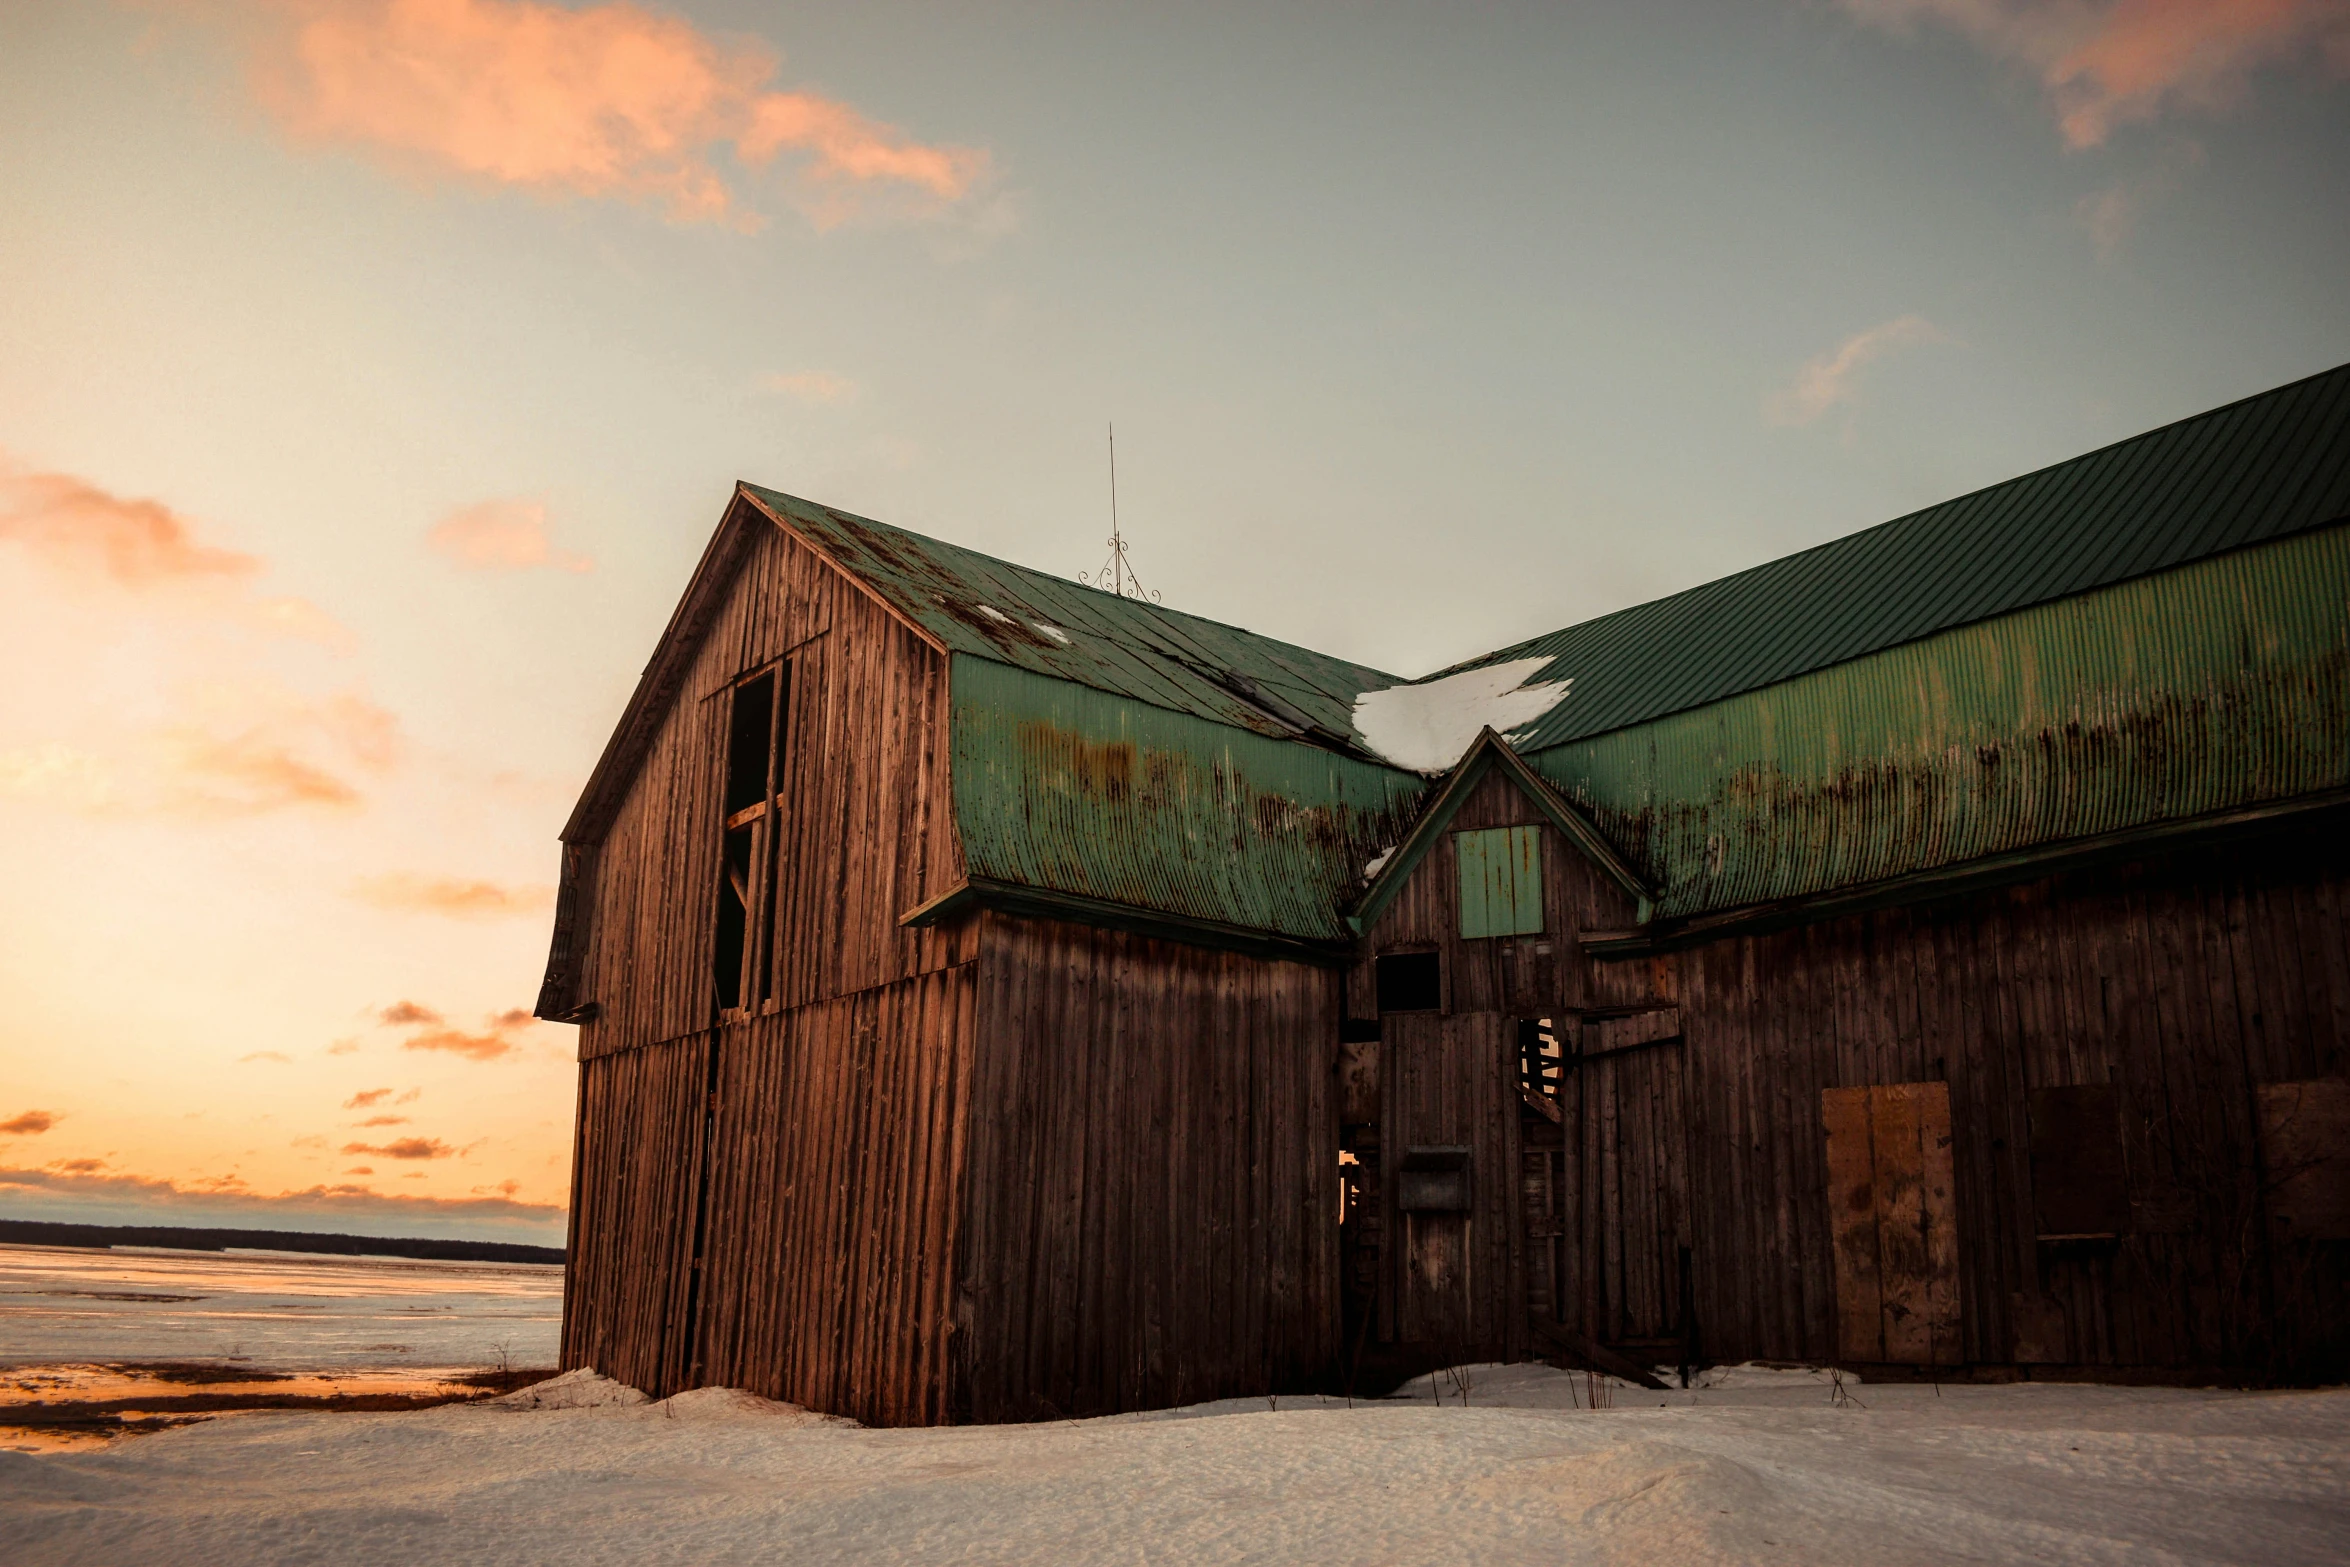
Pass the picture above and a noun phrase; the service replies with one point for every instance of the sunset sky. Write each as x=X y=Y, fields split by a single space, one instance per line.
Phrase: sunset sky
x=372 y=372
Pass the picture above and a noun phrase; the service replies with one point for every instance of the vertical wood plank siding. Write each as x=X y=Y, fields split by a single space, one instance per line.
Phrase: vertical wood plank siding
x=632 y=1219
x=868 y=832
x=827 y=1196
x=2185 y=980
x=1152 y=1191
x=827 y=1271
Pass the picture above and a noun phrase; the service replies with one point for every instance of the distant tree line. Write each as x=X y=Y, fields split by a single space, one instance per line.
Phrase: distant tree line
x=29 y=1232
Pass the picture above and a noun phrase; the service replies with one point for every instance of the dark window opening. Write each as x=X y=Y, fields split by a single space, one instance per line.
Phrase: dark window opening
x=1542 y=1058
x=734 y=922
x=743 y=962
x=749 y=752
x=1358 y=1031
x=1410 y=982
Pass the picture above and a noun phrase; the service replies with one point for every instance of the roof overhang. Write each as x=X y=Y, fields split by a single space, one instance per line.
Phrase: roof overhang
x=1047 y=903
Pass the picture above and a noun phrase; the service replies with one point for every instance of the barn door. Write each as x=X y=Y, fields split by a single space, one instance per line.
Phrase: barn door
x=1894 y=1223
x=1604 y=1189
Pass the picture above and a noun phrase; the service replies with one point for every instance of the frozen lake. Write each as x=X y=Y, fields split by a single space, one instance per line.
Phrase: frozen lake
x=274 y=1311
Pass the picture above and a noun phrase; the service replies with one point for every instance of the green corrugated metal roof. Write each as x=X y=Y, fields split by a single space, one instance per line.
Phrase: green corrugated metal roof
x=1075 y=790
x=2215 y=687
x=2260 y=469
x=1010 y=614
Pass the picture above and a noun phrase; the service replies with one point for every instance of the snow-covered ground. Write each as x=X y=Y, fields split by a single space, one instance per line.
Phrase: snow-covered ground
x=1760 y=1466
x=268 y=1310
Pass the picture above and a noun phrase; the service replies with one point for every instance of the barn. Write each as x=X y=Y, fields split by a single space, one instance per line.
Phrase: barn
x=1001 y=999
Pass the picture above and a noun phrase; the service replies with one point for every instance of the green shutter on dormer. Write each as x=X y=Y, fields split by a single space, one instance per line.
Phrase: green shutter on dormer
x=1501 y=881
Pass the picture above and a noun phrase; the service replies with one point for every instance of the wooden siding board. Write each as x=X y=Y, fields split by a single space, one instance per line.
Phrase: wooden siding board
x=864 y=838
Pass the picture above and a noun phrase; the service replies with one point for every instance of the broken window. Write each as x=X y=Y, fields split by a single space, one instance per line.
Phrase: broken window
x=1542 y=1059
x=1410 y=982
x=750 y=859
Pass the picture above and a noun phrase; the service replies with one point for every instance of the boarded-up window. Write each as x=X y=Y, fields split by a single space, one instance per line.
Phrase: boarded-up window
x=2305 y=1158
x=1894 y=1223
x=2079 y=1191
x=1501 y=881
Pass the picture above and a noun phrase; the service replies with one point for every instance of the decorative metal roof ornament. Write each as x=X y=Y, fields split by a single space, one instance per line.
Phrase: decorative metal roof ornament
x=1117 y=573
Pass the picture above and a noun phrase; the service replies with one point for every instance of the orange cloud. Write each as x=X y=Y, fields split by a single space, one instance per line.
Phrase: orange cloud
x=92 y=536
x=134 y=1199
x=385 y=1120
x=404 y=1148
x=76 y=528
x=360 y=1169
x=78 y=1166
x=486 y=1046
x=248 y=746
x=407 y=894
x=366 y=1097
x=266 y=1055
x=2108 y=63
x=31 y=1123
x=474 y=1047
x=501 y=536
x=401 y=1013
x=1831 y=378
x=607 y=101
x=810 y=386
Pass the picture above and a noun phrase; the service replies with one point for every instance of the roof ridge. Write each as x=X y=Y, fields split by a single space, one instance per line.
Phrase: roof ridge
x=1062 y=582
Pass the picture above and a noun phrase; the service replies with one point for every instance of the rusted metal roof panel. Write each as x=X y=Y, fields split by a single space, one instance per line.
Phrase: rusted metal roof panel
x=1080 y=791
x=993 y=609
x=2207 y=688
x=2261 y=469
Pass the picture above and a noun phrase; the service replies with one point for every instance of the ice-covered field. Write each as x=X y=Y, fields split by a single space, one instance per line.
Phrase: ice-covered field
x=1762 y=1466
x=284 y=1311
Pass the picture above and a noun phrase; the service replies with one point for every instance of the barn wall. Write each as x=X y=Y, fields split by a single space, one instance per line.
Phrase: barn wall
x=811 y=1147
x=834 y=1202
x=636 y=1166
x=1455 y=1287
x=2183 y=980
x=1153 y=1202
x=869 y=831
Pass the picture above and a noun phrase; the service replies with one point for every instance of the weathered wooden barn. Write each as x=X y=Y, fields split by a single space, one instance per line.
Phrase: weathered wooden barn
x=999 y=999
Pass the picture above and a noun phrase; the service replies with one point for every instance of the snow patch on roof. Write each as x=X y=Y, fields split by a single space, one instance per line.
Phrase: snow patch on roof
x=995 y=614
x=1378 y=863
x=1055 y=632
x=1426 y=727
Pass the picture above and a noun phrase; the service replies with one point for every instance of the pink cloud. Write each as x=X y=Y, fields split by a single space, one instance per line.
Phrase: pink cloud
x=2108 y=63
x=501 y=536
x=609 y=101
x=404 y=893
x=80 y=530
x=1831 y=378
